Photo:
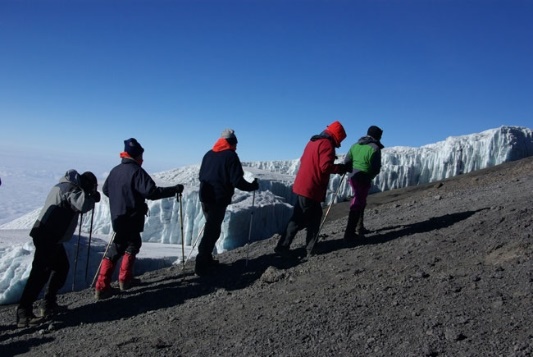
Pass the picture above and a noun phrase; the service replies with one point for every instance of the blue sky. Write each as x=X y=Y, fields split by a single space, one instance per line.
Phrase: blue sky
x=82 y=76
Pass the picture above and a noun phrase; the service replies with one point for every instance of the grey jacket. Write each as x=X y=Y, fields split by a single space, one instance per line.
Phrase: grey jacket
x=58 y=218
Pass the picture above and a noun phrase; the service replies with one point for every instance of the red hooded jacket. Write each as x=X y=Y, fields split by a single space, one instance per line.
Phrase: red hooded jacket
x=317 y=163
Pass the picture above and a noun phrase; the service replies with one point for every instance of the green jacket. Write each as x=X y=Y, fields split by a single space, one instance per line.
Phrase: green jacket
x=364 y=157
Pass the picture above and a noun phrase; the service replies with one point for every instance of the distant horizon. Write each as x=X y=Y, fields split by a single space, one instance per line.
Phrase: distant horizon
x=153 y=165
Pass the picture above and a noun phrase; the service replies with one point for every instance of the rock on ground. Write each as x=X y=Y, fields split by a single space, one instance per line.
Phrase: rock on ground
x=446 y=271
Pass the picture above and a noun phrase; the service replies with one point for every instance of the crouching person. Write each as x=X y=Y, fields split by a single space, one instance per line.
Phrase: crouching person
x=127 y=186
x=56 y=223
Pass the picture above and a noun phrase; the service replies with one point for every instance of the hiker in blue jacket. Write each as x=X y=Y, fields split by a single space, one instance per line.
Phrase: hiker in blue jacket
x=127 y=186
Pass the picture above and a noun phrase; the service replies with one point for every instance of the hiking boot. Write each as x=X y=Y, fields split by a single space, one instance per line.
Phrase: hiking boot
x=104 y=294
x=283 y=251
x=350 y=234
x=26 y=318
x=126 y=285
x=49 y=309
x=204 y=264
x=201 y=268
x=350 y=237
x=212 y=262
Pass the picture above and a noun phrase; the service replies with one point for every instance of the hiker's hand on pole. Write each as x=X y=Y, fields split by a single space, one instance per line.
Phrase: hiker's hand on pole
x=255 y=184
x=342 y=169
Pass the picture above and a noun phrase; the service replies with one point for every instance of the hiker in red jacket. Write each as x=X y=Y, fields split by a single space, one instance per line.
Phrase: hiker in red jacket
x=310 y=186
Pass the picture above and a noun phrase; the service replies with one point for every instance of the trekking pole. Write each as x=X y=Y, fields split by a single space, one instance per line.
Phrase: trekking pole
x=250 y=229
x=330 y=204
x=77 y=252
x=89 y=245
x=103 y=257
x=317 y=236
x=196 y=241
x=179 y=198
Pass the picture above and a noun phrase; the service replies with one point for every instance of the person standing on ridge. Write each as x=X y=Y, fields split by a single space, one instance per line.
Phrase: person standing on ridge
x=75 y=194
x=364 y=159
x=310 y=186
x=220 y=173
x=127 y=186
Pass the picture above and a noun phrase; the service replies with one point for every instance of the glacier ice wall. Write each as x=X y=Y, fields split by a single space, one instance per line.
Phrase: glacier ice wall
x=405 y=166
x=409 y=166
x=269 y=208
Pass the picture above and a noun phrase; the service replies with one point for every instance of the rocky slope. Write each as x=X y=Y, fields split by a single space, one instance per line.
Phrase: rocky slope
x=446 y=271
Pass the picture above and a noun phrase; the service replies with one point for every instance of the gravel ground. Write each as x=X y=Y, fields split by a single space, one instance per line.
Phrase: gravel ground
x=446 y=271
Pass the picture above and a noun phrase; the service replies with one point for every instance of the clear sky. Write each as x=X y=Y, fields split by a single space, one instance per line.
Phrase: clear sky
x=82 y=76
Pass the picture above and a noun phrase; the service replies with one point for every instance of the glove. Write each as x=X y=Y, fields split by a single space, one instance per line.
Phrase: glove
x=255 y=185
x=178 y=188
x=146 y=209
x=344 y=168
x=96 y=196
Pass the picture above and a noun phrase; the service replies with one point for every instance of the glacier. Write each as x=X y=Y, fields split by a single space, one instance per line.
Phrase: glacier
x=269 y=208
x=251 y=216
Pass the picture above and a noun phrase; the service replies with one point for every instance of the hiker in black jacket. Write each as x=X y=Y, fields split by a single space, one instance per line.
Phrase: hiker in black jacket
x=220 y=173
x=127 y=186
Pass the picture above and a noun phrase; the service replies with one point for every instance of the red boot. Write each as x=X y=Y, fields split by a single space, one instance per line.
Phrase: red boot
x=125 y=277
x=103 y=283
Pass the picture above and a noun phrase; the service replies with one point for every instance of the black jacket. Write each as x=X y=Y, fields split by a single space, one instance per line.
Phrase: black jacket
x=220 y=173
x=127 y=187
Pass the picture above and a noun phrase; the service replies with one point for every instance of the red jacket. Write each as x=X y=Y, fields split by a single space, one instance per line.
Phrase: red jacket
x=316 y=165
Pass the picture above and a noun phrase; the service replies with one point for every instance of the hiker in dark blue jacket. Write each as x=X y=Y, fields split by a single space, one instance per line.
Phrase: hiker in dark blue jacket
x=127 y=186
x=220 y=173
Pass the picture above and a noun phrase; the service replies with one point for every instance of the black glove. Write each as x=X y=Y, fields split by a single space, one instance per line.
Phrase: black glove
x=255 y=185
x=178 y=188
x=146 y=209
x=96 y=196
x=343 y=168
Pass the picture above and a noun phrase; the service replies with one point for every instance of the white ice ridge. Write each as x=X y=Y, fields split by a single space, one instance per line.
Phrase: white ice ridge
x=271 y=205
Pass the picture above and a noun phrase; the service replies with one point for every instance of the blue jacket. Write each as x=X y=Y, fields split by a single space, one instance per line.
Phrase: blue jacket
x=127 y=186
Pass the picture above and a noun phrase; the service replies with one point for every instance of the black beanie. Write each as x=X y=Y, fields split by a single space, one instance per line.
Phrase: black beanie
x=375 y=132
x=133 y=148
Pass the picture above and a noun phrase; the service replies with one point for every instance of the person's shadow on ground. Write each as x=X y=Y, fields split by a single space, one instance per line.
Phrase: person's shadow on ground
x=387 y=234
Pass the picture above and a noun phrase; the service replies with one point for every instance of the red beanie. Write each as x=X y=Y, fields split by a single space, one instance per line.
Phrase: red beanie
x=337 y=131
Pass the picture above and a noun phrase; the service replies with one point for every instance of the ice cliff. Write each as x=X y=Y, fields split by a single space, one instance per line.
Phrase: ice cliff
x=270 y=207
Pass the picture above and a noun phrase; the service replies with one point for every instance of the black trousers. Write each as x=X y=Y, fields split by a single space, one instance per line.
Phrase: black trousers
x=127 y=241
x=50 y=264
x=306 y=214
x=214 y=216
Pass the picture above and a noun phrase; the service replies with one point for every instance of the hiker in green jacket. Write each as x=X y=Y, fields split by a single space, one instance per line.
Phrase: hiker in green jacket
x=364 y=157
